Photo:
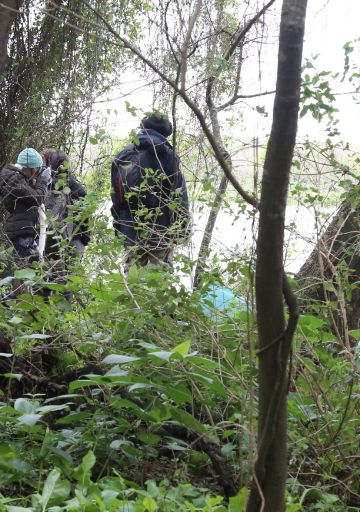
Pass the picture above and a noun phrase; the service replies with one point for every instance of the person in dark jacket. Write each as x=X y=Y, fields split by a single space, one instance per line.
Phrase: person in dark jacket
x=66 y=236
x=22 y=189
x=152 y=225
x=63 y=196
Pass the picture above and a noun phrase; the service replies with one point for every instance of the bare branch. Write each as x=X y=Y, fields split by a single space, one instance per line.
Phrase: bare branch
x=238 y=38
x=241 y=33
x=185 y=46
x=236 y=97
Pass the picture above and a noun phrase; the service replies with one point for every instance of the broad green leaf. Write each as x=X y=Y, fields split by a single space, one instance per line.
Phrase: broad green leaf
x=51 y=408
x=203 y=362
x=149 y=438
x=77 y=384
x=35 y=336
x=116 y=371
x=120 y=403
x=76 y=417
x=187 y=420
x=60 y=397
x=119 y=359
x=25 y=273
x=15 y=320
x=140 y=385
x=183 y=348
x=150 y=504
x=355 y=333
x=238 y=503
x=17 y=376
x=82 y=472
x=29 y=419
x=24 y=405
x=161 y=354
x=118 y=443
x=11 y=508
x=6 y=280
x=49 y=488
x=179 y=393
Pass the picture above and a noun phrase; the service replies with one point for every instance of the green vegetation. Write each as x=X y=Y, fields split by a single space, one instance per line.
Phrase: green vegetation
x=135 y=399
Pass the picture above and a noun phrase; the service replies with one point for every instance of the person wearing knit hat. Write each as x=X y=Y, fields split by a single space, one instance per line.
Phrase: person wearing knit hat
x=22 y=189
x=149 y=196
x=157 y=122
x=30 y=159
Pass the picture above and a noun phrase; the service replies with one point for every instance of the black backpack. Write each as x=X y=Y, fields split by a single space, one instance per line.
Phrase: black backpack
x=134 y=181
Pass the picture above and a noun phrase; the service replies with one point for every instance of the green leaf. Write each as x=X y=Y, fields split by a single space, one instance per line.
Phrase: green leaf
x=11 y=508
x=15 y=320
x=179 y=393
x=6 y=280
x=93 y=140
x=82 y=472
x=17 y=376
x=29 y=419
x=35 y=336
x=24 y=405
x=355 y=333
x=76 y=417
x=25 y=273
x=161 y=354
x=183 y=348
x=119 y=359
x=187 y=420
x=77 y=384
x=49 y=488
x=51 y=408
x=149 y=438
x=238 y=503
x=150 y=504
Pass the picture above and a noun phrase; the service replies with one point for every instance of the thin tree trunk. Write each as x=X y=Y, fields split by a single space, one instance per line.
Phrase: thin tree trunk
x=8 y=14
x=275 y=337
x=209 y=228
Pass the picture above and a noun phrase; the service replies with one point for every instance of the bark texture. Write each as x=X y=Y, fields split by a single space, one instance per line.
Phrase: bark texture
x=209 y=229
x=331 y=274
x=275 y=337
x=8 y=14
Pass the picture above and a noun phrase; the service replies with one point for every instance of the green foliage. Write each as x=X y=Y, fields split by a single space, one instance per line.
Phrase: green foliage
x=158 y=363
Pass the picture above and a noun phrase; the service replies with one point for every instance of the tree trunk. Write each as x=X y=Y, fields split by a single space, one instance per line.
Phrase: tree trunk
x=270 y=471
x=331 y=274
x=8 y=14
x=209 y=228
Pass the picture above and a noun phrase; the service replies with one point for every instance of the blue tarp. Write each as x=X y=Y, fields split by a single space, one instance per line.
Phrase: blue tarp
x=220 y=300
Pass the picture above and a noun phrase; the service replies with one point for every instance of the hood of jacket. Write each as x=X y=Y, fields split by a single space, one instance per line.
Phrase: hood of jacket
x=152 y=141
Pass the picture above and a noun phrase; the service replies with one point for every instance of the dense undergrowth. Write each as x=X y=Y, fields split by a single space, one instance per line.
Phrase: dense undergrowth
x=141 y=397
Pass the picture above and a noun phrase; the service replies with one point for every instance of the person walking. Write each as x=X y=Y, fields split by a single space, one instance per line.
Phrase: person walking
x=66 y=234
x=150 y=204
x=23 y=188
x=62 y=203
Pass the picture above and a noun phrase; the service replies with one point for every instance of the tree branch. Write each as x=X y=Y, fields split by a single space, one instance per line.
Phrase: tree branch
x=238 y=37
x=236 y=97
x=185 y=46
x=191 y=104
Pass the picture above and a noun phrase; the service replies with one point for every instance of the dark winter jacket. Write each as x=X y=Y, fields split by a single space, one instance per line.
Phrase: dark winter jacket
x=152 y=226
x=64 y=192
x=21 y=199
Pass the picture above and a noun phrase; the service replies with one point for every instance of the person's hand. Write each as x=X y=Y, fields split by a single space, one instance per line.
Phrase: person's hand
x=45 y=174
